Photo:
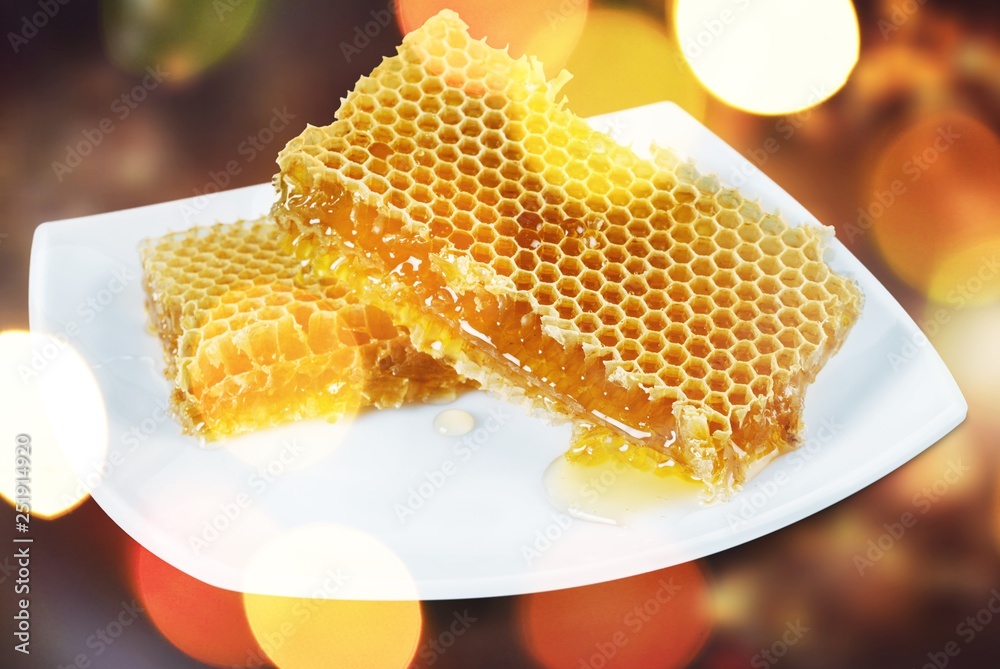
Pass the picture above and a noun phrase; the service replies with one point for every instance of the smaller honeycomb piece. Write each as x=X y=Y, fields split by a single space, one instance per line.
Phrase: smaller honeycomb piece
x=676 y=323
x=250 y=343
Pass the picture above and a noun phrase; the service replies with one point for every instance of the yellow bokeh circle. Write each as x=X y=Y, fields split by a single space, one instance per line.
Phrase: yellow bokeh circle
x=769 y=56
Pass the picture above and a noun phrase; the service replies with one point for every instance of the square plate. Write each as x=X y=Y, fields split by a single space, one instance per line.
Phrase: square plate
x=405 y=512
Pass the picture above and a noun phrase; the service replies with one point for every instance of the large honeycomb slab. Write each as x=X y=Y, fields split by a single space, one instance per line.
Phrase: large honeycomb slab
x=674 y=322
x=249 y=343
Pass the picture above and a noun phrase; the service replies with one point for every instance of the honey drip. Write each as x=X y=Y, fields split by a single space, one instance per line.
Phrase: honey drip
x=250 y=343
x=668 y=317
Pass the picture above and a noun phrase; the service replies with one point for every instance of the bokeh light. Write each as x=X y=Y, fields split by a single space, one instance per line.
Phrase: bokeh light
x=659 y=619
x=317 y=630
x=300 y=633
x=769 y=56
x=932 y=205
x=918 y=60
x=625 y=59
x=969 y=343
x=996 y=510
x=52 y=397
x=934 y=479
x=734 y=596
x=545 y=29
x=183 y=37
x=970 y=275
x=204 y=622
x=267 y=450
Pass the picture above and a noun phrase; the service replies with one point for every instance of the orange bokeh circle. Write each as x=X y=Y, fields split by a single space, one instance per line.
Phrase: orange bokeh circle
x=658 y=620
x=545 y=29
x=932 y=203
x=203 y=621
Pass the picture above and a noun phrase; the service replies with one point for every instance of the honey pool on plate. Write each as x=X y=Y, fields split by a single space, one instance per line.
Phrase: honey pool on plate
x=674 y=322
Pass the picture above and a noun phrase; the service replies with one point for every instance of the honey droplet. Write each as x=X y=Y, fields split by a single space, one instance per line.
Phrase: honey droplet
x=454 y=422
x=639 y=297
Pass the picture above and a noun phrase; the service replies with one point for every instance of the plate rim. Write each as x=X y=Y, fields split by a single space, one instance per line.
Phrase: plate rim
x=922 y=437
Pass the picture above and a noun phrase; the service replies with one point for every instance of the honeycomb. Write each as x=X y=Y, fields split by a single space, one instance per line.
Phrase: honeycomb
x=676 y=323
x=248 y=344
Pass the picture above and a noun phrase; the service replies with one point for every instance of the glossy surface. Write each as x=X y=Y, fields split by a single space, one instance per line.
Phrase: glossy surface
x=632 y=295
x=250 y=341
x=472 y=535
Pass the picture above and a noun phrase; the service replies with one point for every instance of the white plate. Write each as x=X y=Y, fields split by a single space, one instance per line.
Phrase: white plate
x=333 y=504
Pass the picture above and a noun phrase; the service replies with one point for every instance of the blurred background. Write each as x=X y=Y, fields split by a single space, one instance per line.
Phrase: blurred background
x=881 y=117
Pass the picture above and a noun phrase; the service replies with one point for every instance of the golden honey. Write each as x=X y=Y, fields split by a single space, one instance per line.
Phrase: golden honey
x=250 y=343
x=674 y=322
